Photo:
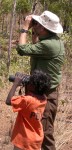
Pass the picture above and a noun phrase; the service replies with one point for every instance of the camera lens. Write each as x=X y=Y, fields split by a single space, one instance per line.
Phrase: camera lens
x=11 y=78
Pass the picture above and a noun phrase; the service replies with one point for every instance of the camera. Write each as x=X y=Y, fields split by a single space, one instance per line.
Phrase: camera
x=25 y=80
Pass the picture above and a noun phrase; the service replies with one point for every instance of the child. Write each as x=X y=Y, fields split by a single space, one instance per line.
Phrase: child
x=28 y=131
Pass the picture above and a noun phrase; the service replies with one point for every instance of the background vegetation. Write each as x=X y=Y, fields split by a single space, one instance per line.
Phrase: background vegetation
x=12 y=13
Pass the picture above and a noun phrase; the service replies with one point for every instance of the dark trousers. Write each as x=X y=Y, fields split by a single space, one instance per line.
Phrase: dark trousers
x=48 y=121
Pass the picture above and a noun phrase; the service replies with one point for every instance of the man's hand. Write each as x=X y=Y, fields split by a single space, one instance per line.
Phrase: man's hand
x=27 y=25
x=28 y=22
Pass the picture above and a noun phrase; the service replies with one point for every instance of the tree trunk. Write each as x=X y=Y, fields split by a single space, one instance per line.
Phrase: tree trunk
x=7 y=23
x=3 y=23
x=11 y=30
x=36 y=7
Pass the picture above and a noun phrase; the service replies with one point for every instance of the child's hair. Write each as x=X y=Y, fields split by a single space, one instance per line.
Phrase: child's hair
x=41 y=81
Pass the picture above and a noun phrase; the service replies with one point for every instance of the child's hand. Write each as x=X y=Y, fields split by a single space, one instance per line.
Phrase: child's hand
x=18 y=78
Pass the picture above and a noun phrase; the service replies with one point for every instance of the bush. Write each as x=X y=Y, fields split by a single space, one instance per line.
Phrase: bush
x=67 y=38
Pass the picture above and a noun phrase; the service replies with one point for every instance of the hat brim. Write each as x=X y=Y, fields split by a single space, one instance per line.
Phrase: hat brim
x=59 y=28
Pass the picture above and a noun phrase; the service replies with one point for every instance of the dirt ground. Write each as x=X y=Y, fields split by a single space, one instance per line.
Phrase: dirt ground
x=63 y=122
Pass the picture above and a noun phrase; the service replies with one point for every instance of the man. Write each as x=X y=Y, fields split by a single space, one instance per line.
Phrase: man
x=47 y=54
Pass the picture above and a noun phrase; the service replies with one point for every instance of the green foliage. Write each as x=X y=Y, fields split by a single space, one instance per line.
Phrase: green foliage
x=63 y=8
x=3 y=44
x=23 y=6
x=1 y=83
x=6 y=6
x=3 y=67
x=19 y=63
x=63 y=102
x=67 y=38
x=3 y=57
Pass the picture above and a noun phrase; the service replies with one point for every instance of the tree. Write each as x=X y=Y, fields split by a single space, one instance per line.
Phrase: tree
x=23 y=7
x=11 y=29
x=63 y=8
x=4 y=11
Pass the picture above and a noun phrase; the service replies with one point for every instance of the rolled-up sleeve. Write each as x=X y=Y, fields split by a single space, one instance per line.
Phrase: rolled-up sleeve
x=45 y=48
x=29 y=49
x=18 y=103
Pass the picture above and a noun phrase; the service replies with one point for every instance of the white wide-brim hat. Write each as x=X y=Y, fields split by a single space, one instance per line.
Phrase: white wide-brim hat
x=50 y=21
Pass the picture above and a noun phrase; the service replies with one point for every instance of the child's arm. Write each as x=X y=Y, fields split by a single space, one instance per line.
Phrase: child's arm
x=18 y=80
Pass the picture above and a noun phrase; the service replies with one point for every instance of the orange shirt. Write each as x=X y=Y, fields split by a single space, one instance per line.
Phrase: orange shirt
x=28 y=131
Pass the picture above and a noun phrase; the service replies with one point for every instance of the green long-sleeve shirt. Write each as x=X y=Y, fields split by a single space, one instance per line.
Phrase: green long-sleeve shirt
x=46 y=55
